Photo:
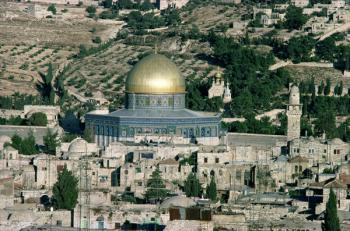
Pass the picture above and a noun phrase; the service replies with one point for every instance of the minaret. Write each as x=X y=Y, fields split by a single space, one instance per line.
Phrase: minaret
x=227 y=94
x=294 y=111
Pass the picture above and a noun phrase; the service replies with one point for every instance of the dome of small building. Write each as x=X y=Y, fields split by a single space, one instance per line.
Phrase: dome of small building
x=294 y=95
x=4 y=139
x=78 y=145
x=155 y=74
x=336 y=141
x=178 y=201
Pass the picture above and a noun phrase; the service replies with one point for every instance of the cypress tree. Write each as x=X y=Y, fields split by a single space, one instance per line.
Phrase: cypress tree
x=211 y=190
x=331 y=220
x=65 y=190
x=340 y=89
x=320 y=88
x=327 y=88
x=192 y=186
x=155 y=186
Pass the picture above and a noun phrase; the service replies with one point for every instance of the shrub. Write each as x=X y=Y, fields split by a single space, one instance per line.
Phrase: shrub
x=38 y=119
x=52 y=8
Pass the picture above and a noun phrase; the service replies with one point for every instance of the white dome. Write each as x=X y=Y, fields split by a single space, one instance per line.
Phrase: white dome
x=178 y=201
x=78 y=145
x=294 y=95
x=4 y=139
x=337 y=141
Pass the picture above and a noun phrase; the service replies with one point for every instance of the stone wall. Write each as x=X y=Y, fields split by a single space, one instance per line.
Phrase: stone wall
x=7 y=114
x=51 y=113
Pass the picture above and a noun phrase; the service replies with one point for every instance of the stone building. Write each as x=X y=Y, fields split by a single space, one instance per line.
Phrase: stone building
x=155 y=106
x=300 y=3
x=164 y=4
x=320 y=150
x=294 y=112
x=217 y=88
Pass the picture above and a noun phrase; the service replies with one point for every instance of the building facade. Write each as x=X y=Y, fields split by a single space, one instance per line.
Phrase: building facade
x=155 y=107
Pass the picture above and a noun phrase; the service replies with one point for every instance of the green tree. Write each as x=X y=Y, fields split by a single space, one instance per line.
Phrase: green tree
x=320 y=88
x=16 y=142
x=52 y=8
x=91 y=10
x=146 y=5
x=125 y=4
x=211 y=190
x=107 y=3
x=38 y=119
x=51 y=141
x=325 y=122
x=326 y=49
x=243 y=104
x=172 y=17
x=156 y=187
x=331 y=220
x=65 y=190
x=25 y=146
x=340 y=89
x=29 y=146
x=327 y=88
x=294 y=19
x=45 y=87
x=299 y=48
x=192 y=186
x=88 y=135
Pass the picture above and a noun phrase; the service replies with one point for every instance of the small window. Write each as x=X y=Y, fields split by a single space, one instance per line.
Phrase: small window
x=126 y=172
x=139 y=183
x=325 y=151
x=216 y=160
x=205 y=160
x=238 y=175
x=93 y=173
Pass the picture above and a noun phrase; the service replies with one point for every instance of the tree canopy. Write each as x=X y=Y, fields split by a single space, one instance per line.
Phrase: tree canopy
x=192 y=186
x=45 y=86
x=38 y=119
x=294 y=19
x=25 y=146
x=156 y=190
x=65 y=190
x=51 y=142
x=211 y=190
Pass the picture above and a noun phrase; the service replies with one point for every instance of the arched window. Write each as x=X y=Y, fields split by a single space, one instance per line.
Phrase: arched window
x=212 y=173
x=202 y=132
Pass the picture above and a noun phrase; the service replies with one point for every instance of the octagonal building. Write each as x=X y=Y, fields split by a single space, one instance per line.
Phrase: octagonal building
x=154 y=109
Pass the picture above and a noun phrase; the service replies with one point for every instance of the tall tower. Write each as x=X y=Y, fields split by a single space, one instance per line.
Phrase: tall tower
x=294 y=111
x=227 y=94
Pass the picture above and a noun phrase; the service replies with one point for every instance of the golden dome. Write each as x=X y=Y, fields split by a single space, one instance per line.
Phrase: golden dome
x=155 y=74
